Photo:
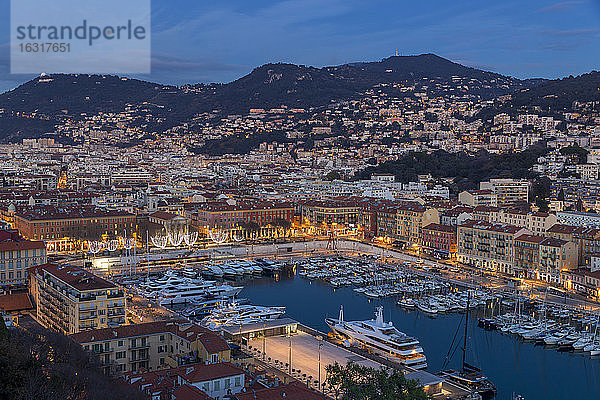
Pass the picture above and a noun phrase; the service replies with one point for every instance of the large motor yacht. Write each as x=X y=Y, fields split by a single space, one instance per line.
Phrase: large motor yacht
x=382 y=337
x=240 y=314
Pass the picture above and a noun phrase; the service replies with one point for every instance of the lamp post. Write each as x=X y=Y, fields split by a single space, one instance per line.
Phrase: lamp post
x=320 y=338
x=264 y=340
x=290 y=355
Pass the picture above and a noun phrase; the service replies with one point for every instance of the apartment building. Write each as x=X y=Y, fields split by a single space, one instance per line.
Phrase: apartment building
x=488 y=245
x=411 y=218
x=64 y=227
x=536 y=222
x=154 y=345
x=587 y=240
x=222 y=215
x=456 y=215
x=578 y=218
x=556 y=255
x=476 y=198
x=527 y=255
x=16 y=255
x=70 y=299
x=387 y=225
x=543 y=258
x=191 y=382
x=342 y=212
x=587 y=171
x=439 y=239
x=585 y=281
x=508 y=192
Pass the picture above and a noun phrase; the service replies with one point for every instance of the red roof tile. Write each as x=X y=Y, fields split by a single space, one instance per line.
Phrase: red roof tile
x=15 y=302
x=293 y=391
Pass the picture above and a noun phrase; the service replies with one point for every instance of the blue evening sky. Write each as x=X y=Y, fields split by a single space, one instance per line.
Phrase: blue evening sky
x=219 y=41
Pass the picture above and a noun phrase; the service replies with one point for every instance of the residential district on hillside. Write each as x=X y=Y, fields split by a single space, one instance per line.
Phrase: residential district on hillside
x=111 y=234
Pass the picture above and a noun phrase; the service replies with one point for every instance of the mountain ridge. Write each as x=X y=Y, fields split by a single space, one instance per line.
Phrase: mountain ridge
x=270 y=85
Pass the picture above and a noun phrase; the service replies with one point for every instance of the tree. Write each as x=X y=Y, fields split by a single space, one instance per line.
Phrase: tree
x=4 y=333
x=357 y=382
x=578 y=153
x=38 y=363
x=333 y=175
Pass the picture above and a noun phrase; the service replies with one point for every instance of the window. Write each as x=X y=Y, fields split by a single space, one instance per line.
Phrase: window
x=162 y=338
x=205 y=387
x=217 y=386
x=238 y=381
x=227 y=383
x=120 y=343
x=119 y=355
x=214 y=358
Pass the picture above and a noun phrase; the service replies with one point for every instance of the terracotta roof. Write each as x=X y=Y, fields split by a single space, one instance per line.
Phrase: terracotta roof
x=163 y=215
x=554 y=242
x=489 y=226
x=15 y=302
x=207 y=372
x=75 y=277
x=11 y=240
x=440 y=228
x=43 y=213
x=293 y=391
x=188 y=392
x=530 y=238
x=190 y=332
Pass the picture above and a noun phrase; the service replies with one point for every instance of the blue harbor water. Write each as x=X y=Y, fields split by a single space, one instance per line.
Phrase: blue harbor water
x=533 y=371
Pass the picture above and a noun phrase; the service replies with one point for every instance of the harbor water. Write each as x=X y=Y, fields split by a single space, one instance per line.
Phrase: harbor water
x=535 y=372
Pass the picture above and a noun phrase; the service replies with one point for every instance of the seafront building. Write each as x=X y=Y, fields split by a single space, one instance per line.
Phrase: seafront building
x=488 y=246
x=70 y=299
x=17 y=254
x=153 y=345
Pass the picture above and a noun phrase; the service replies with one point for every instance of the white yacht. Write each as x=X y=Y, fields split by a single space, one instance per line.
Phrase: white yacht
x=195 y=291
x=381 y=337
x=172 y=289
x=240 y=314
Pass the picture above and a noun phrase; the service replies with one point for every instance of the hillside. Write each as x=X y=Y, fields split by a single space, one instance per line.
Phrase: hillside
x=551 y=97
x=56 y=97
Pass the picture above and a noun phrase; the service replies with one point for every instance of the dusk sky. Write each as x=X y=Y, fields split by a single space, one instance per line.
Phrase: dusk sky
x=200 y=41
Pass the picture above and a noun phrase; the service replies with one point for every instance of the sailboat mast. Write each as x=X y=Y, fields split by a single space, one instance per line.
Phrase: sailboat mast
x=466 y=326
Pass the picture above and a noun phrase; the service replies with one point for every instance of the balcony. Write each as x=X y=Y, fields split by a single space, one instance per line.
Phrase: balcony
x=139 y=346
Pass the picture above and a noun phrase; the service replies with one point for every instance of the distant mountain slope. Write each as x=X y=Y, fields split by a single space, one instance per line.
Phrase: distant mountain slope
x=274 y=84
x=270 y=85
x=78 y=94
x=551 y=96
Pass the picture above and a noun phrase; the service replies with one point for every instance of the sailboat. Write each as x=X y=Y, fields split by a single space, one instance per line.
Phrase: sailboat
x=470 y=376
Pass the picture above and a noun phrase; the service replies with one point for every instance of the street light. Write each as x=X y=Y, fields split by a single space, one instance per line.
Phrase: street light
x=290 y=355
x=264 y=340
x=320 y=338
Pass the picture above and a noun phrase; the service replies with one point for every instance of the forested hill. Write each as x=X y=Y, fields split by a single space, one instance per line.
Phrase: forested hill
x=551 y=97
x=467 y=170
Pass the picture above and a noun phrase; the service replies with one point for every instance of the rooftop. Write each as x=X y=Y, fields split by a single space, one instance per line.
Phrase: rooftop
x=75 y=277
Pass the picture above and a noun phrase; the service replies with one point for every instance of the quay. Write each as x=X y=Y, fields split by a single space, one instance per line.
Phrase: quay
x=293 y=351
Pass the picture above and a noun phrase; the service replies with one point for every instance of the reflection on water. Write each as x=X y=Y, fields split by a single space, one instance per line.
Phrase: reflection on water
x=513 y=366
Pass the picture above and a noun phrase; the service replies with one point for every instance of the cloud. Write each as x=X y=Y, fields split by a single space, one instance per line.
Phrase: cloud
x=562 y=6
x=571 y=32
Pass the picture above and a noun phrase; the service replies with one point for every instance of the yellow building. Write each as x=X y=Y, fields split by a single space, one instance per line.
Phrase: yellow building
x=153 y=345
x=488 y=246
x=410 y=220
x=70 y=299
